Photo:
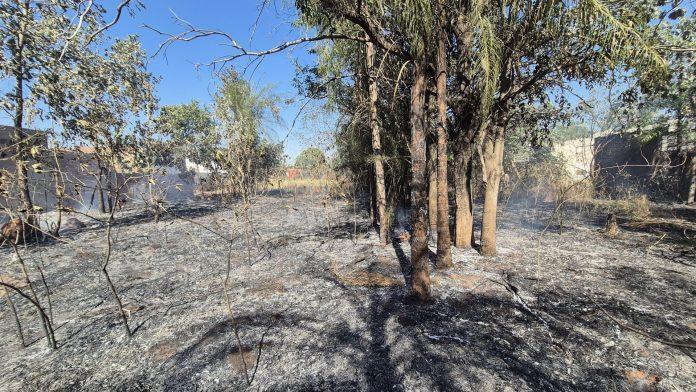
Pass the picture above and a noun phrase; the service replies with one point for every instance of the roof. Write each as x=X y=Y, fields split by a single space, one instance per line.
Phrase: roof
x=7 y=131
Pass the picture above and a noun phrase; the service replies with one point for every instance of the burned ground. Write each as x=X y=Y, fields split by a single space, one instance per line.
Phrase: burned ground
x=328 y=304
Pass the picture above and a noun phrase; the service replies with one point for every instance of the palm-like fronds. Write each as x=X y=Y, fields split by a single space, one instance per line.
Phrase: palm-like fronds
x=616 y=37
x=488 y=52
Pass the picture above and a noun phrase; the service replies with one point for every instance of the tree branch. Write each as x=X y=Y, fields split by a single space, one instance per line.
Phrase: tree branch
x=119 y=11
x=193 y=33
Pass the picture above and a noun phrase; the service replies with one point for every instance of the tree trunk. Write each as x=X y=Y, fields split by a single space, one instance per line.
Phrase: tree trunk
x=444 y=244
x=493 y=171
x=377 y=147
x=464 y=217
x=373 y=201
x=102 y=205
x=432 y=188
x=19 y=139
x=109 y=193
x=688 y=180
x=59 y=182
x=420 y=279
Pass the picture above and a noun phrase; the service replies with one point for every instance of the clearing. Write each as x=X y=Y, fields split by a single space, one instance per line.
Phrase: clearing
x=328 y=304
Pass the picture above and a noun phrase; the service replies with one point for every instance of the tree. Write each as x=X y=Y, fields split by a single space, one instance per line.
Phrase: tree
x=377 y=155
x=35 y=48
x=444 y=252
x=30 y=43
x=667 y=107
x=499 y=59
x=190 y=129
x=100 y=100
x=310 y=159
x=531 y=49
x=242 y=115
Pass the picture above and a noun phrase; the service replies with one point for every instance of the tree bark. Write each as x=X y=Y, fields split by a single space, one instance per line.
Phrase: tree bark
x=464 y=217
x=102 y=205
x=444 y=243
x=377 y=156
x=493 y=171
x=688 y=178
x=420 y=279
x=373 y=201
x=18 y=137
x=432 y=188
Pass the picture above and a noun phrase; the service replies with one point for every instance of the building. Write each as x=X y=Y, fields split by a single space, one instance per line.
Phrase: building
x=620 y=162
x=35 y=137
x=293 y=172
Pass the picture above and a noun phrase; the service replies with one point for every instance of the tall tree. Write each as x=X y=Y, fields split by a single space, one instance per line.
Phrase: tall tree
x=377 y=156
x=190 y=129
x=664 y=108
x=39 y=41
x=444 y=244
x=420 y=278
x=541 y=47
x=100 y=100
x=242 y=115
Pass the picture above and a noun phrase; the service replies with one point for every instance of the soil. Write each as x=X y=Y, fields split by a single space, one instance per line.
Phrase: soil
x=320 y=305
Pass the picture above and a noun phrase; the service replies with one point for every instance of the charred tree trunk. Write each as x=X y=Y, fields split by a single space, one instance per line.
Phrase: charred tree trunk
x=493 y=171
x=464 y=216
x=420 y=279
x=377 y=155
x=432 y=188
x=444 y=252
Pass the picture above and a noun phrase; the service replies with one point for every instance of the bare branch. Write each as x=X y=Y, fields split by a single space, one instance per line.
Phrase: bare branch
x=192 y=33
x=77 y=28
x=119 y=11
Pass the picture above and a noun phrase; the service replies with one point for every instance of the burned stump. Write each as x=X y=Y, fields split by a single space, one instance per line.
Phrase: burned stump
x=611 y=229
x=16 y=230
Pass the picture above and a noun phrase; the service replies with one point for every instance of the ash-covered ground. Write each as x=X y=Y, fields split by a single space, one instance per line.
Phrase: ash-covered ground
x=328 y=306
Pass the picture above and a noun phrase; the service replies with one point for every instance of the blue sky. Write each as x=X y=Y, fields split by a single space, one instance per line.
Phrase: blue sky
x=182 y=82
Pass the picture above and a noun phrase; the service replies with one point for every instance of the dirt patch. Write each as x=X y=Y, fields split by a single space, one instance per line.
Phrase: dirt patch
x=16 y=282
x=640 y=381
x=475 y=284
x=495 y=266
x=364 y=278
x=237 y=364
x=82 y=255
x=267 y=289
x=162 y=351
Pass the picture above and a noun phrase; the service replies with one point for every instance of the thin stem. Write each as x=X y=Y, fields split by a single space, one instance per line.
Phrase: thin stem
x=13 y=309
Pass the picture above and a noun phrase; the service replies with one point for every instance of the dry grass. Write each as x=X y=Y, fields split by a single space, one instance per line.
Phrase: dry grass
x=663 y=223
x=635 y=208
x=288 y=184
x=364 y=278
